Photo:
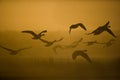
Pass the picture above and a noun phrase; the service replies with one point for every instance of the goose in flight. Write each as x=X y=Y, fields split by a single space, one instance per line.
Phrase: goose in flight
x=82 y=53
x=89 y=43
x=109 y=43
x=49 y=43
x=74 y=26
x=35 y=36
x=74 y=44
x=103 y=28
x=14 y=52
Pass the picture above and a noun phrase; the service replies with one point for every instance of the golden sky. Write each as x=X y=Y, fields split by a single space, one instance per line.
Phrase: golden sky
x=57 y=14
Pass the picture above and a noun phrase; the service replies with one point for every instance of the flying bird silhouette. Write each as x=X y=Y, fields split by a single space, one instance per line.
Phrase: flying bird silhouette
x=109 y=43
x=35 y=36
x=49 y=43
x=82 y=53
x=103 y=28
x=74 y=44
x=14 y=52
x=74 y=26
x=89 y=43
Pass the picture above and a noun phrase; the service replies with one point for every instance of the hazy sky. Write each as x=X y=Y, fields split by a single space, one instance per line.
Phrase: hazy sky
x=57 y=14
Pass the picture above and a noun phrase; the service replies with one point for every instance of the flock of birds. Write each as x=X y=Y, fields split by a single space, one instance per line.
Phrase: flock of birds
x=76 y=53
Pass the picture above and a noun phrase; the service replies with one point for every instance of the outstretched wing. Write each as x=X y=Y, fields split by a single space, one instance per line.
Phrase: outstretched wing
x=100 y=42
x=44 y=31
x=69 y=30
x=49 y=43
x=74 y=26
x=110 y=32
x=24 y=48
x=79 y=40
x=82 y=26
x=59 y=39
x=74 y=44
x=6 y=48
x=74 y=55
x=84 y=55
x=97 y=31
x=107 y=23
x=30 y=32
x=81 y=53
x=45 y=41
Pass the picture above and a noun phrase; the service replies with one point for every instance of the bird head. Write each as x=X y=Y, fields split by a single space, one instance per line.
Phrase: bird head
x=45 y=31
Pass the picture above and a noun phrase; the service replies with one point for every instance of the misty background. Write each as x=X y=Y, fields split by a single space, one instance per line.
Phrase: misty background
x=56 y=16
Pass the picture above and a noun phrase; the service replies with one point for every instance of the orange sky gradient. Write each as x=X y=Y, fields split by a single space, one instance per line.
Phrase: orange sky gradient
x=58 y=14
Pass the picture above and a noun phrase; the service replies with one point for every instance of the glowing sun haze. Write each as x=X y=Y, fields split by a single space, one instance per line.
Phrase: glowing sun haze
x=57 y=14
